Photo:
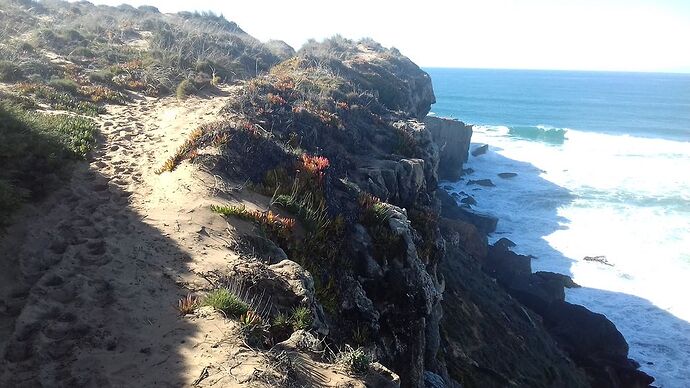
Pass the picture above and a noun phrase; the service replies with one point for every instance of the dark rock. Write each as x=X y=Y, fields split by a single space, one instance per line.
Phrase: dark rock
x=557 y=278
x=453 y=139
x=595 y=344
x=432 y=380
x=464 y=236
x=598 y=259
x=481 y=150
x=506 y=265
x=504 y=243
x=467 y=171
x=489 y=339
x=481 y=182
x=585 y=334
x=469 y=200
x=506 y=175
x=485 y=223
x=266 y=249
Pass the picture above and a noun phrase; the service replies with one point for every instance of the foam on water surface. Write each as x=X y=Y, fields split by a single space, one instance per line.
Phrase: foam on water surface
x=592 y=194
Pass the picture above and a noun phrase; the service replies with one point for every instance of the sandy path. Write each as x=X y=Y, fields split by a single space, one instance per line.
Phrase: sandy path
x=90 y=279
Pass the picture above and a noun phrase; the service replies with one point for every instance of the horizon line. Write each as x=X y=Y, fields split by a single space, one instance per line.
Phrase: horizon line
x=670 y=72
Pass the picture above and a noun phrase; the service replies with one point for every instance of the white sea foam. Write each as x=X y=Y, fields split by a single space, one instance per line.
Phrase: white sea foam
x=623 y=197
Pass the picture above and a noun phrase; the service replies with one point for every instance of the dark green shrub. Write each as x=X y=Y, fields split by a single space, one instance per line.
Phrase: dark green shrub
x=64 y=85
x=9 y=72
x=101 y=76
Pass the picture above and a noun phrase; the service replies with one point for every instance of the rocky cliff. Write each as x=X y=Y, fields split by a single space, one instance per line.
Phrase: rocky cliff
x=398 y=268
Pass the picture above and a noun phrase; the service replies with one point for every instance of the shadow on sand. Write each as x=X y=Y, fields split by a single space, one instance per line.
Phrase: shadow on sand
x=88 y=293
x=527 y=207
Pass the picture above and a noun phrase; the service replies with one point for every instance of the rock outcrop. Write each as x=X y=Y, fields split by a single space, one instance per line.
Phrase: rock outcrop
x=453 y=139
x=590 y=339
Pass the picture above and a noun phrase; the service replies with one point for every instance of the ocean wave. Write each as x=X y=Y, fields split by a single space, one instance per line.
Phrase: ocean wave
x=540 y=133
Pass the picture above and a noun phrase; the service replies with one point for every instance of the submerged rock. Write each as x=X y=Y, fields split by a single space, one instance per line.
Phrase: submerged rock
x=507 y=175
x=481 y=182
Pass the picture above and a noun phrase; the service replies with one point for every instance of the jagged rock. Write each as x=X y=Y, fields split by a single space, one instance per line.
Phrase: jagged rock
x=489 y=339
x=286 y=283
x=467 y=171
x=361 y=251
x=465 y=236
x=355 y=303
x=468 y=200
x=481 y=150
x=453 y=138
x=485 y=223
x=505 y=265
x=481 y=182
x=266 y=249
x=300 y=340
x=595 y=343
x=432 y=380
x=557 y=278
x=380 y=376
x=405 y=296
x=506 y=175
x=504 y=243
x=394 y=181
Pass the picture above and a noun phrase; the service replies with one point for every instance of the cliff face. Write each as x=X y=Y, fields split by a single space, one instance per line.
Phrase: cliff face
x=453 y=139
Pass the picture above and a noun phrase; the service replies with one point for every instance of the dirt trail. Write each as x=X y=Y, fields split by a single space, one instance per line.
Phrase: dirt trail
x=89 y=277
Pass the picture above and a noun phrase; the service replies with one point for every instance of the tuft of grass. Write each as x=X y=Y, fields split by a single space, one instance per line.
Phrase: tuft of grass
x=373 y=211
x=225 y=301
x=356 y=361
x=185 y=88
x=186 y=151
x=187 y=304
x=301 y=318
x=281 y=227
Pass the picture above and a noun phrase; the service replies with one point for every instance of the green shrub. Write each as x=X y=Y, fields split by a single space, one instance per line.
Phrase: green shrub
x=101 y=76
x=356 y=361
x=225 y=301
x=65 y=85
x=185 y=88
x=9 y=72
x=301 y=318
x=35 y=149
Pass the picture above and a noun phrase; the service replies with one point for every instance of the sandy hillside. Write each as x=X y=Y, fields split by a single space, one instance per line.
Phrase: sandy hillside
x=89 y=279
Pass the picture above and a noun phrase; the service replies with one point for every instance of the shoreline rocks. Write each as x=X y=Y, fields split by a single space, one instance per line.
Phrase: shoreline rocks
x=481 y=150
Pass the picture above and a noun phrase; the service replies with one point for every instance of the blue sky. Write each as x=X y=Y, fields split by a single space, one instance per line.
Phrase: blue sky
x=615 y=35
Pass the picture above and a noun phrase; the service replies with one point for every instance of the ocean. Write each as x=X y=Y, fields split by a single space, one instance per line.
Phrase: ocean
x=603 y=169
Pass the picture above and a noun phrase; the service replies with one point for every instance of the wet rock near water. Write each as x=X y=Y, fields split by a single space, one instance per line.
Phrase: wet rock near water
x=481 y=182
x=481 y=150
